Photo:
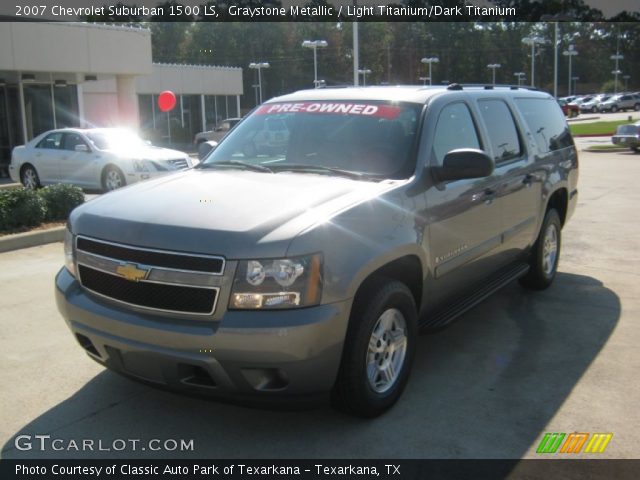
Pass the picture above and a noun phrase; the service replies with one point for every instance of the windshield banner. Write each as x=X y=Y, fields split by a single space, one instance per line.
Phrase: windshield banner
x=389 y=112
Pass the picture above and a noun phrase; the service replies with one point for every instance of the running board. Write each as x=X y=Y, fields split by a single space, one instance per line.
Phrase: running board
x=446 y=315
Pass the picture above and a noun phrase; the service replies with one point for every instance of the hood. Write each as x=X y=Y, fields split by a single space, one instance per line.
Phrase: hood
x=234 y=213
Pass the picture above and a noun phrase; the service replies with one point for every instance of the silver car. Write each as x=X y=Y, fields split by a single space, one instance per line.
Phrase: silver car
x=624 y=101
x=97 y=158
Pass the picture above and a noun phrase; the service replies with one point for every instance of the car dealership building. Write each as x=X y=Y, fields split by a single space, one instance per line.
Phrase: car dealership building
x=55 y=75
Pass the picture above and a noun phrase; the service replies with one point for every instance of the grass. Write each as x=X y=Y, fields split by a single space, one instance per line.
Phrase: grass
x=598 y=128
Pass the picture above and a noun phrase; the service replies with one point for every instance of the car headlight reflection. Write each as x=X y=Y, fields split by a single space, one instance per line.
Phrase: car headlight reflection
x=69 y=260
x=280 y=283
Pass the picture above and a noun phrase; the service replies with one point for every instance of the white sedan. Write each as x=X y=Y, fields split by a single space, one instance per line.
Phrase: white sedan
x=97 y=158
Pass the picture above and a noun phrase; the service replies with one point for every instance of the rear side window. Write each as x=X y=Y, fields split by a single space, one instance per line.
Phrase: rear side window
x=503 y=134
x=53 y=140
x=546 y=123
x=455 y=129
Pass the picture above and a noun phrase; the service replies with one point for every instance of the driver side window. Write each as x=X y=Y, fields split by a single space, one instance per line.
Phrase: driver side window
x=455 y=129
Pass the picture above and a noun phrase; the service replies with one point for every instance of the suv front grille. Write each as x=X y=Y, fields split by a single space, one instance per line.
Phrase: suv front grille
x=180 y=261
x=159 y=280
x=169 y=298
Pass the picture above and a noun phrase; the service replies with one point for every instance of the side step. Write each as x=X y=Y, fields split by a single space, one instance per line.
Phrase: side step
x=450 y=312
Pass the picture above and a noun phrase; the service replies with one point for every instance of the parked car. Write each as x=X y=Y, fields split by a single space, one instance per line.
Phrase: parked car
x=628 y=136
x=96 y=158
x=217 y=132
x=310 y=269
x=580 y=100
x=592 y=104
x=624 y=102
x=570 y=110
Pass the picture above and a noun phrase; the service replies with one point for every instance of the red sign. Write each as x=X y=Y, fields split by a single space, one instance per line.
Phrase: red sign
x=388 y=112
x=166 y=101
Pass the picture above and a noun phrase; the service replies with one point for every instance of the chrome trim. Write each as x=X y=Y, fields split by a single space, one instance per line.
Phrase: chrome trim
x=167 y=252
x=180 y=312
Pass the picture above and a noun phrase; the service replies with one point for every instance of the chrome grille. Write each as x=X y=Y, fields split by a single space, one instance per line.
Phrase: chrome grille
x=178 y=164
x=164 y=281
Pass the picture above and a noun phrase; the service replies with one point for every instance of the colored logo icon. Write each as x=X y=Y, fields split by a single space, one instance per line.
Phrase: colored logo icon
x=574 y=442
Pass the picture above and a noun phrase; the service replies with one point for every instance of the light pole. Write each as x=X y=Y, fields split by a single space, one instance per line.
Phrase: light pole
x=626 y=82
x=494 y=66
x=364 y=72
x=617 y=57
x=315 y=44
x=575 y=84
x=259 y=66
x=570 y=52
x=532 y=41
x=521 y=76
x=430 y=61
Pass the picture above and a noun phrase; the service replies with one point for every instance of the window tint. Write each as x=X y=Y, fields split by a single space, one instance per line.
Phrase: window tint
x=71 y=140
x=503 y=135
x=53 y=140
x=455 y=129
x=546 y=123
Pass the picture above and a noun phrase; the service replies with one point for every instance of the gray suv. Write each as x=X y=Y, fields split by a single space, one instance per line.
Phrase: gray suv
x=307 y=269
x=624 y=102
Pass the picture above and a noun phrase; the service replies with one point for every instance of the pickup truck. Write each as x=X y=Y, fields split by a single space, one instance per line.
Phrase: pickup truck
x=309 y=270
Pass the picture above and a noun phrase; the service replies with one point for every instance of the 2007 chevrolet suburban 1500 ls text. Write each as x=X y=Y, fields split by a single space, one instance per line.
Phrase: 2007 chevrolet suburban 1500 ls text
x=278 y=273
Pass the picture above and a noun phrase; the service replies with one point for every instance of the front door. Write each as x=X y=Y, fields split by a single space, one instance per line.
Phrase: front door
x=78 y=165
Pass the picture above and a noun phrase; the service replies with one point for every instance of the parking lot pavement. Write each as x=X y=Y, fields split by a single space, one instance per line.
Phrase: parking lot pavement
x=489 y=386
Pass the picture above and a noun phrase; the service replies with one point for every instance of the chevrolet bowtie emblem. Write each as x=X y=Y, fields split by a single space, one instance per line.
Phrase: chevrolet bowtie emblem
x=131 y=272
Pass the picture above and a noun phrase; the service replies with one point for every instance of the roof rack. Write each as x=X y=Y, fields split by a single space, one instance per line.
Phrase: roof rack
x=462 y=86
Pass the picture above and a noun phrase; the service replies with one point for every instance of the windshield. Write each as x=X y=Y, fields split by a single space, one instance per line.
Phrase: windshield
x=628 y=129
x=116 y=140
x=370 y=138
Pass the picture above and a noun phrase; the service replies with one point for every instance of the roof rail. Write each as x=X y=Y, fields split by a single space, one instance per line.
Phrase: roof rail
x=461 y=86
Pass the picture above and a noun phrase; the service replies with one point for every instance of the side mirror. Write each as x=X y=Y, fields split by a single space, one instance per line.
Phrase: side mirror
x=464 y=163
x=81 y=148
x=205 y=148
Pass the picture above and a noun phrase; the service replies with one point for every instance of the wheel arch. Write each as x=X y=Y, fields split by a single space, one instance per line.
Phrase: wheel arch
x=559 y=200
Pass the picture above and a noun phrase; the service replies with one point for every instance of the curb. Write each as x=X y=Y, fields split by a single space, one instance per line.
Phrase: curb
x=31 y=239
x=10 y=185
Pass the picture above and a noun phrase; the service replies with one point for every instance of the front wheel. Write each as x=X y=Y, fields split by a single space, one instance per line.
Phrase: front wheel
x=614 y=109
x=112 y=178
x=545 y=254
x=379 y=349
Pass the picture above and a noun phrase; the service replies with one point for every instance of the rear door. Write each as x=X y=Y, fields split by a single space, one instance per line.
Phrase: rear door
x=46 y=157
x=519 y=190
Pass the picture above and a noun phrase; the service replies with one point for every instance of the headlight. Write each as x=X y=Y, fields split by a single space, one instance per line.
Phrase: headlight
x=69 y=261
x=281 y=283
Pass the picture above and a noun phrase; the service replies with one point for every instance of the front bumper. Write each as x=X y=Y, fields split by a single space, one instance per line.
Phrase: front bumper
x=248 y=354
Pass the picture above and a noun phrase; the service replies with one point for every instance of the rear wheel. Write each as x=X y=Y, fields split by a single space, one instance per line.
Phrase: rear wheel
x=112 y=178
x=378 y=350
x=29 y=177
x=636 y=107
x=545 y=254
x=614 y=109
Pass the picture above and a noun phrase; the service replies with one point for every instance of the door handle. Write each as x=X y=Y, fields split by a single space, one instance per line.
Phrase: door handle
x=528 y=179
x=489 y=195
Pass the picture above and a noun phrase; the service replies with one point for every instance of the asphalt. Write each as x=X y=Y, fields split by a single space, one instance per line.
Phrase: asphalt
x=518 y=365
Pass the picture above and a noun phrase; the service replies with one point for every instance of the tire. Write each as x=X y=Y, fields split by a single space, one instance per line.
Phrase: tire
x=373 y=374
x=636 y=107
x=635 y=149
x=614 y=109
x=29 y=177
x=545 y=253
x=112 y=179
x=594 y=109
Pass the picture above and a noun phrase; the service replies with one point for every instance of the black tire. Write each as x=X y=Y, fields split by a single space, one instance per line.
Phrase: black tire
x=353 y=392
x=112 y=178
x=635 y=149
x=541 y=273
x=636 y=107
x=29 y=177
x=614 y=109
x=594 y=109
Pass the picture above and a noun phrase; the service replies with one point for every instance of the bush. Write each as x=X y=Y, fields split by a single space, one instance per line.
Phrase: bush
x=20 y=207
x=60 y=200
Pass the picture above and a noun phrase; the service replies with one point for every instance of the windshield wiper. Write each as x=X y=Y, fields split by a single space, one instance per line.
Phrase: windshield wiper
x=236 y=163
x=321 y=168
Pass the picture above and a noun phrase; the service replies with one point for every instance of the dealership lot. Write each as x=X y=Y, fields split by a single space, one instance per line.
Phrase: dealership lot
x=489 y=386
